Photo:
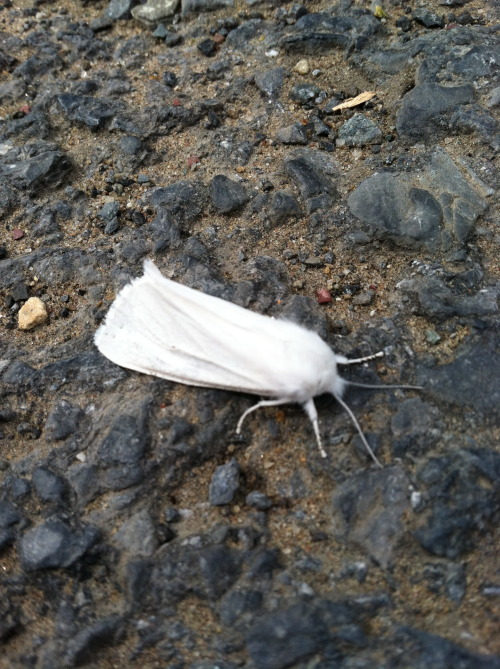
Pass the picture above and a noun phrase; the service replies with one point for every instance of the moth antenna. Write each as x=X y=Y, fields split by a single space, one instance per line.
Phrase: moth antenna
x=381 y=386
x=359 y=430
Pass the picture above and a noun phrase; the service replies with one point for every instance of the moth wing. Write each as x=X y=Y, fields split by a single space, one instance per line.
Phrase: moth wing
x=160 y=327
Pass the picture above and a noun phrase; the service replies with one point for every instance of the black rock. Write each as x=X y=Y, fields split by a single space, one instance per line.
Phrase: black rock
x=470 y=379
x=208 y=47
x=240 y=37
x=314 y=42
x=425 y=110
x=35 y=167
x=130 y=145
x=83 y=648
x=462 y=511
x=305 y=94
x=227 y=195
x=121 y=452
x=184 y=200
x=62 y=421
x=164 y=231
x=448 y=578
x=282 y=207
x=225 y=483
x=53 y=544
x=369 y=508
x=293 y=134
x=137 y=535
x=311 y=178
x=427 y=18
x=118 y=9
x=206 y=571
x=415 y=427
x=282 y=638
x=19 y=292
x=258 y=500
x=49 y=486
x=9 y=518
x=439 y=301
x=10 y=618
x=430 y=650
x=237 y=603
x=270 y=82
x=358 y=131
x=412 y=215
x=92 y=112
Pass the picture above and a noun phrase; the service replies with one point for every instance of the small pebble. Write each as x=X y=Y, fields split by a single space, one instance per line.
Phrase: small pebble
x=323 y=296
x=32 y=313
x=17 y=234
x=302 y=67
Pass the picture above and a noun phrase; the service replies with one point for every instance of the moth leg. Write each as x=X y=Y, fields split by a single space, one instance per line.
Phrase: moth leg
x=262 y=403
x=310 y=409
x=341 y=360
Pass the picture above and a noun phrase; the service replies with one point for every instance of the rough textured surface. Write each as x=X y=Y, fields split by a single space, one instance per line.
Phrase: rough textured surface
x=136 y=529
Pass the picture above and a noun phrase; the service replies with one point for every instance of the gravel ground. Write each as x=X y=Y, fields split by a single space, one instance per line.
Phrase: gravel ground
x=136 y=529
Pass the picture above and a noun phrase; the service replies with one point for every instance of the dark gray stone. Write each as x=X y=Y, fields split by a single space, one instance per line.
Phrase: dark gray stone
x=184 y=200
x=9 y=515
x=164 y=231
x=137 y=535
x=35 y=167
x=282 y=638
x=53 y=544
x=224 y=484
x=270 y=82
x=199 y=6
x=205 y=571
x=282 y=207
x=121 y=452
x=19 y=292
x=237 y=603
x=358 y=131
x=411 y=215
x=369 y=508
x=430 y=650
x=446 y=578
x=109 y=210
x=227 y=195
x=305 y=94
x=293 y=134
x=131 y=145
x=311 y=178
x=240 y=37
x=62 y=421
x=258 y=500
x=312 y=43
x=427 y=18
x=439 y=301
x=415 y=427
x=207 y=47
x=462 y=512
x=49 y=486
x=426 y=109
x=92 y=112
x=439 y=214
x=85 y=646
x=471 y=379
x=119 y=9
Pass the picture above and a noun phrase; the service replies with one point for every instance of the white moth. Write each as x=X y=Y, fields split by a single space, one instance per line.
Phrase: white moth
x=160 y=327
